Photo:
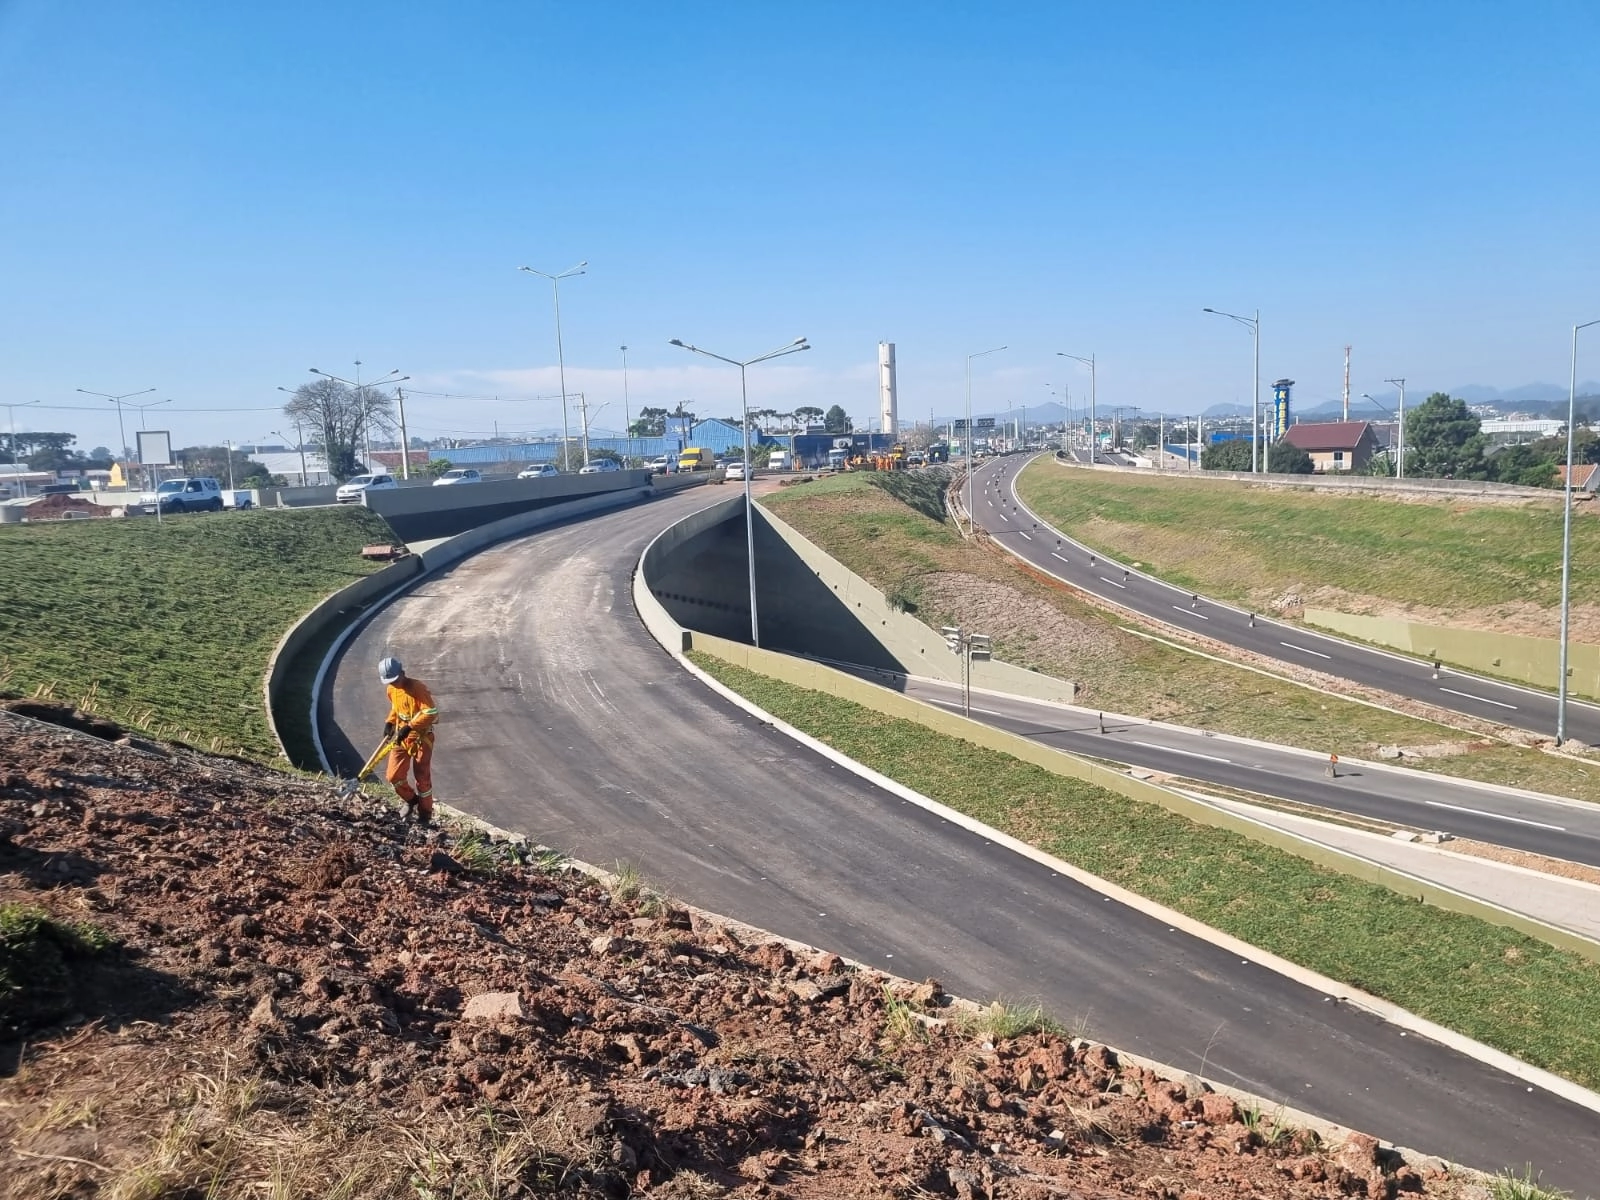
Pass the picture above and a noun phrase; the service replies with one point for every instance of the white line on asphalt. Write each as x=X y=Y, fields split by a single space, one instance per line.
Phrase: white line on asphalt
x=1484 y=699
x=1303 y=650
x=1191 y=612
x=1114 y=583
x=1478 y=812
x=1003 y=517
x=1062 y=557
x=1029 y=536
x=1175 y=750
x=990 y=503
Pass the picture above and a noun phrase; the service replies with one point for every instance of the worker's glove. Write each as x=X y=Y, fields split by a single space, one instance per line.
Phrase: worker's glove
x=411 y=741
x=388 y=731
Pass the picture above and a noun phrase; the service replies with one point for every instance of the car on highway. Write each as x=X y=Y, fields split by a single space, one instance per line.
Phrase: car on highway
x=735 y=469
x=200 y=494
x=599 y=466
x=659 y=466
x=538 y=471
x=358 y=485
x=459 y=475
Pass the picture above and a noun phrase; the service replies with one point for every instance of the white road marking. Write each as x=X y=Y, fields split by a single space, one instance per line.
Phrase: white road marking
x=990 y=503
x=1175 y=750
x=1062 y=557
x=1025 y=534
x=1191 y=612
x=1114 y=583
x=1478 y=812
x=1483 y=699
x=1003 y=517
x=1304 y=650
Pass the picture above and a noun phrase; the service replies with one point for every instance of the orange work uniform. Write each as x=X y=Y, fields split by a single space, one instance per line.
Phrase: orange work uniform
x=411 y=703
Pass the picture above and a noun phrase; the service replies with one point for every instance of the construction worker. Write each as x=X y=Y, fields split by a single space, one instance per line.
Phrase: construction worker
x=410 y=727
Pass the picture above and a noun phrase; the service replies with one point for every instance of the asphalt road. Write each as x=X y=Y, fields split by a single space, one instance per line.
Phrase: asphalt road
x=1001 y=512
x=1557 y=827
x=563 y=719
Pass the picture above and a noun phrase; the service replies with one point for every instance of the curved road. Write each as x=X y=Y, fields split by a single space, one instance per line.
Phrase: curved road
x=1031 y=538
x=563 y=719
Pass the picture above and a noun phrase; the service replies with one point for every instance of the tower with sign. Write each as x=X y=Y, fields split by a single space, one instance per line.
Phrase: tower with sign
x=1280 y=407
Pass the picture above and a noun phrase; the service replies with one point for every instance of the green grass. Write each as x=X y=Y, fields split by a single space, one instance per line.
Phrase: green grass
x=926 y=568
x=168 y=627
x=38 y=954
x=1510 y=991
x=1248 y=544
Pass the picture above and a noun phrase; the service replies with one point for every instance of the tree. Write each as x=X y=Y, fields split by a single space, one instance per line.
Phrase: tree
x=1285 y=459
x=837 y=420
x=1444 y=440
x=1532 y=464
x=215 y=460
x=342 y=415
x=1231 y=455
x=652 y=422
x=807 y=414
x=432 y=469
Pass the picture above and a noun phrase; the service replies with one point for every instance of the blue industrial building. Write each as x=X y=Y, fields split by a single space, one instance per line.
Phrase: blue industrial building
x=720 y=437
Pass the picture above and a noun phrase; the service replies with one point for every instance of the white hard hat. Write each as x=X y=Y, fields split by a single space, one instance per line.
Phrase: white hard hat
x=390 y=670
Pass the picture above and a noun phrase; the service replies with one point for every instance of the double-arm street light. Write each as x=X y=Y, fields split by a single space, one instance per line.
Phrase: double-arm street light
x=1253 y=324
x=16 y=459
x=561 y=361
x=117 y=400
x=967 y=440
x=1094 y=428
x=793 y=347
x=1400 y=431
x=1566 y=536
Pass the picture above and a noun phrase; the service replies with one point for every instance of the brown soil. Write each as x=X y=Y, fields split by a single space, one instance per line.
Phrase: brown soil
x=285 y=1013
x=51 y=508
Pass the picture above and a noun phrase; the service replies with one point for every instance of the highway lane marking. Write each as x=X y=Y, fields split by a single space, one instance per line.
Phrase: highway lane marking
x=1191 y=612
x=1062 y=557
x=1478 y=812
x=1304 y=650
x=1025 y=534
x=1484 y=699
x=1175 y=750
x=990 y=503
x=1003 y=517
x=1115 y=584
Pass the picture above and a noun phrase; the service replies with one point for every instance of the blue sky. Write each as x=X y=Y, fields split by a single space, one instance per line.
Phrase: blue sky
x=208 y=199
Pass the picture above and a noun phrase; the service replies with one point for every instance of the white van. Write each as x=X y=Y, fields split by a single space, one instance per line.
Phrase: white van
x=778 y=460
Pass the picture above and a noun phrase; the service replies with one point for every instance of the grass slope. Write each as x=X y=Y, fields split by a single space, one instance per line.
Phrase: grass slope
x=925 y=565
x=1249 y=544
x=169 y=627
x=1495 y=985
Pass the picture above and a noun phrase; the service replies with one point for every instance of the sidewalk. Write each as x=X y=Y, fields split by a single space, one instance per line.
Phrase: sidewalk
x=1569 y=904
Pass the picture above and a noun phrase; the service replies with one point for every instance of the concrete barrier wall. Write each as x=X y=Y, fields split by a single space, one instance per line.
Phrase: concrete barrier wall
x=815 y=676
x=1531 y=660
x=908 y=639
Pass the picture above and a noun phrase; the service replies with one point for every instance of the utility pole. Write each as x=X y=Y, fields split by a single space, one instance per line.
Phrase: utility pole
x=969 y=646
x=583 y=415
x=1346 y=416
x=405 y=438
x=1400 y=432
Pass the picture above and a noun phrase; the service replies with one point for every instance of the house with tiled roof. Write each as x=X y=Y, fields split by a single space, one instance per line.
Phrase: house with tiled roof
x=1334 y=445
x=1584 y=478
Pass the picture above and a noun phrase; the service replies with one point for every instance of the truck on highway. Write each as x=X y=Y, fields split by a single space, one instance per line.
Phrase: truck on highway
x=696 y=458
x=778 y=460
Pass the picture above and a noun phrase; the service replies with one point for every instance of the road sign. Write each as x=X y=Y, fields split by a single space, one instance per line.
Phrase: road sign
x=985 y=423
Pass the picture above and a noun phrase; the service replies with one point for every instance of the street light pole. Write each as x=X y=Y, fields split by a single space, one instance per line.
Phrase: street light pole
x=627 y=419
x=1094 y=416
x=1253 y=324
x=967 y=441
x=117 y=400
x=15 y=459
x=561 y=361
x=1400 y=433
x=793 y=347
x=1566 y=537
x=384 y=381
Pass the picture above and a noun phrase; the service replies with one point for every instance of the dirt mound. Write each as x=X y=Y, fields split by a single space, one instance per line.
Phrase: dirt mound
x=57 y=506
x=304 y=996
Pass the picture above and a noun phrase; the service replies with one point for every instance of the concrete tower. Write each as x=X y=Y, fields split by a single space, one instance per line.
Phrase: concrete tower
x=887 y=412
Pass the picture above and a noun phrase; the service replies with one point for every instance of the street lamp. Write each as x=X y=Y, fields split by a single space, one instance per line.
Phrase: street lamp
x=967 y=441
x=1094 y=426
x=627 y=420
x=21 y=482
x=299 y=443
x=793 y=347
x=381 y=381
x=1253 y=324
x=1400 y=432
x=561 y=362
x=117 y=400
x=1566 y=536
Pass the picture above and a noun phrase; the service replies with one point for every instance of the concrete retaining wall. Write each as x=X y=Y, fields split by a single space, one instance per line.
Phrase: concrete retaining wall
x=1531 y=660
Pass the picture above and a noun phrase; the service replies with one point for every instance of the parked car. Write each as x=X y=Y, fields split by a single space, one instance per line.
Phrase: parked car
x=599 y=466
x=659 y=466
x=357 y=485
x=200 y=494
x=735 y=469
x=459 y=475
x=538 y=471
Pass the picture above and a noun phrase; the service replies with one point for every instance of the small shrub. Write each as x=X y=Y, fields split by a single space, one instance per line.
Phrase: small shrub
x=37 y=958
